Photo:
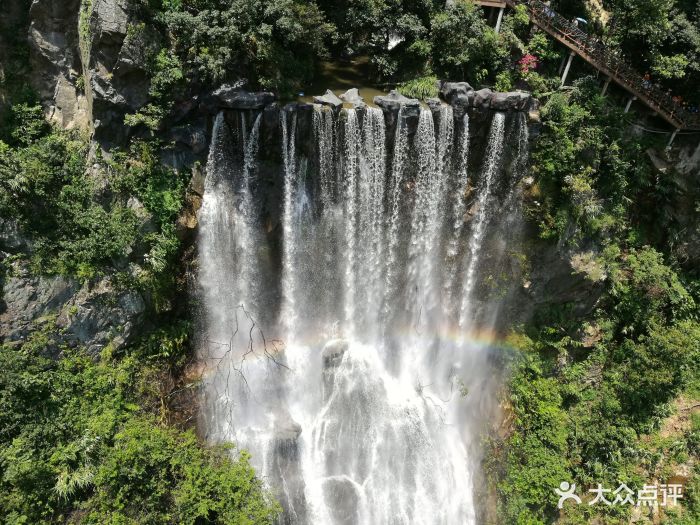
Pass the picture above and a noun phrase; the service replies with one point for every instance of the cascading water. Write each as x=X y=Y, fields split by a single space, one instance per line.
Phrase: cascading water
x=360 y=403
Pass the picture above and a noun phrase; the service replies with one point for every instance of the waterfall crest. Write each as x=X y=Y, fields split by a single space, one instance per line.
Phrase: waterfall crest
x=338 y=322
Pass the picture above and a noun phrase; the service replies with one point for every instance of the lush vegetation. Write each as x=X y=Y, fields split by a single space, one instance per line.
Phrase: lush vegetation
x=96 y=439
x=660 y=37
x=85 y=441
x=590 y=395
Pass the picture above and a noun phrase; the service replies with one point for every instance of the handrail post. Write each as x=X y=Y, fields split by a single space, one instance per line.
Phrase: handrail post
x=500 y=19
x=673 y=137
x=567 y=68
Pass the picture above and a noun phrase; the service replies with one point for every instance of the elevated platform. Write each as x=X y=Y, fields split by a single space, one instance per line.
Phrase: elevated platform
x=606 y=61
x=491 y=3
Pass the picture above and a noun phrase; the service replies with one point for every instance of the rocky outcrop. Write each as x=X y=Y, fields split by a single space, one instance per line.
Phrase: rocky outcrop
x=116 y=48
x=394 y=101
x=236 y=97
x=89 y=63
x=56 y=64
x=92 y=315
x=27 y=299
x=352 y=96
x=462 y=95
x=99 y=315
x=329 y=99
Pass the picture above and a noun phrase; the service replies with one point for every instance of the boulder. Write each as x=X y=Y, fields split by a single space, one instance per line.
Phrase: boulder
x=482 y=99
x=352 y=96
x=235 y=97
x=343 y=499
x=333 y=352
x=329 y=99
x=450 y=90
x=394 y=101
x=511 y=101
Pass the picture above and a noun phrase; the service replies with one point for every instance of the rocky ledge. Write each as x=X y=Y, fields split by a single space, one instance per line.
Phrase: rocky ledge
x=462 y=95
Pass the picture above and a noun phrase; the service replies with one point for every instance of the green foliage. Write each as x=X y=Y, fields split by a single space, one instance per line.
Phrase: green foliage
x=589 y=394
x=588 y=168
x=166 y=76
x=76 y=227
x=660 y=36
x=277 y=45
x=420 y=88
x=464 y=46
x=74 y=438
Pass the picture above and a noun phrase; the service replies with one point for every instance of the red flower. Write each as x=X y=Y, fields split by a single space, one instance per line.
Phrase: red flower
x=527 y=63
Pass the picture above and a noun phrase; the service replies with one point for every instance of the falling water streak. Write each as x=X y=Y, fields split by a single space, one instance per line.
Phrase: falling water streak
x=371 y=216
x=250 y=150
x=459 y=209
x=289 y=286
x=492 y=164
x=421 y=251
x=324 y=135
x=396 y=182
x=246 y=227
x=351 y=166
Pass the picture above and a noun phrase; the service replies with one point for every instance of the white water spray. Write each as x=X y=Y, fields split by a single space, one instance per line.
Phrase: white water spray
x=359 y=415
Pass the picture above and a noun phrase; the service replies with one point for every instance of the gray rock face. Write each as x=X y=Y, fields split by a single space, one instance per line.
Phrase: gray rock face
x=11 y=238
x=451 y=90
x=90 y=316
x=235 y=97
x=110 y=18
x=27 y=299
x=352 y=96
x=462 y=95
x=99 y=315
x=191 y=136
x=118 y=81
x=395 y=101
x=55 y=61
x=329 y=99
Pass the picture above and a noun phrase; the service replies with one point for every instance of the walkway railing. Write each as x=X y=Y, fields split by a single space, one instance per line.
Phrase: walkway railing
x=609 y=62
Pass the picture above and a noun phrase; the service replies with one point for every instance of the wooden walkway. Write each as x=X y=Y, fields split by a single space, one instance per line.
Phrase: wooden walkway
x=605 y=60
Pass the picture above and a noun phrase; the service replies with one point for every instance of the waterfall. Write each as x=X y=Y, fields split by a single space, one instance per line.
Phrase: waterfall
x=483 y=214
x=289 y=212
x=362 y=393
x=458 y=209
